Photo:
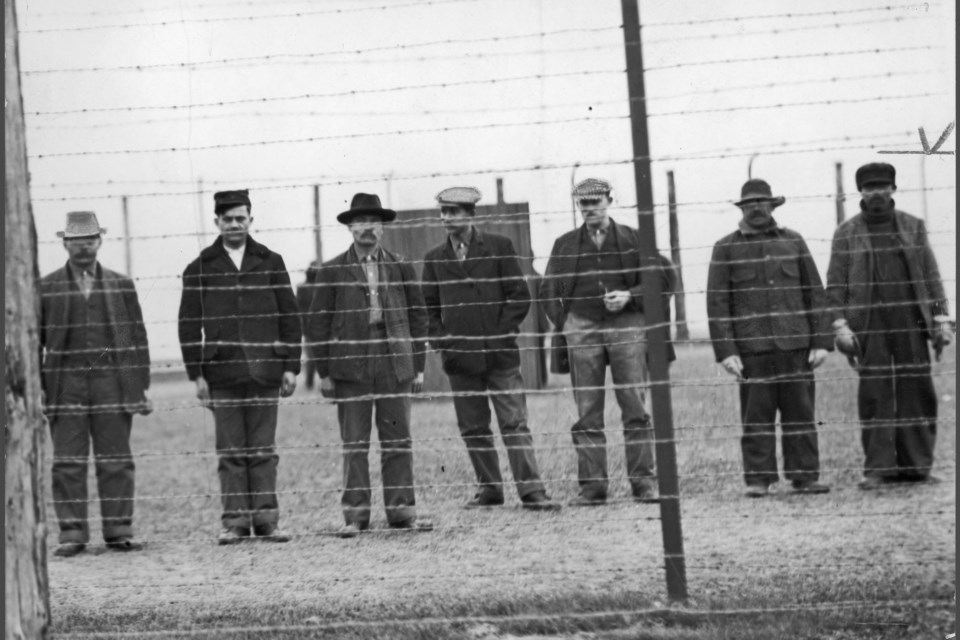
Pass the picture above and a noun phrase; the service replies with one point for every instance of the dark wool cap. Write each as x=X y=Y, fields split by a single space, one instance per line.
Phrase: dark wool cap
x=876 y=172
x=223 y=200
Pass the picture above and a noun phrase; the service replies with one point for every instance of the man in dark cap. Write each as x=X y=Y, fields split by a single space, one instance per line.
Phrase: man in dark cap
x=240 y=338
x=886 y=302
x=367 y=329
x=592 y=292
x=476 y=298
x=96 y=370
x=765 y=304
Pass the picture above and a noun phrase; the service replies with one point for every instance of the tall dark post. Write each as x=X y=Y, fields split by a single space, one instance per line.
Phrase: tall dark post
x=840 y=197
x=679 y=300
x=316 y=224
x=654 y=314
x=128 y=257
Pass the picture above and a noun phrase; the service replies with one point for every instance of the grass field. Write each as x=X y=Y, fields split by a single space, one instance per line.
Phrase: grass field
x=846 y=565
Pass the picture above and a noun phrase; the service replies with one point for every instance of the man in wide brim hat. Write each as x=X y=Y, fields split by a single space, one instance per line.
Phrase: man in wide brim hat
x=366 y=204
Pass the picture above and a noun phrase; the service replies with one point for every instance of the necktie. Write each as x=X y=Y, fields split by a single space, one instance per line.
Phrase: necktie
x=86 y=284
x=598 y=236
x=461 y=252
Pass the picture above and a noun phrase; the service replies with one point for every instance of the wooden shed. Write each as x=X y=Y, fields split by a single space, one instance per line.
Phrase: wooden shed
x=416 y=231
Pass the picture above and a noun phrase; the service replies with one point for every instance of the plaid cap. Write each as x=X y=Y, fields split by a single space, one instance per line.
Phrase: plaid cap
x=459 y=196
x=591 y=188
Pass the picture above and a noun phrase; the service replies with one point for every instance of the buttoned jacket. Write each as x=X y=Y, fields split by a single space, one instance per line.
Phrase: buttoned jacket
x=338 y=327
x=475 y=306
x=129 y=351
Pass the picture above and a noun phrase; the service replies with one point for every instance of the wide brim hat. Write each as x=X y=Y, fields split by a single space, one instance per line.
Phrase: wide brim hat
x=366 y=204
x=756 y=190
x=81 y=224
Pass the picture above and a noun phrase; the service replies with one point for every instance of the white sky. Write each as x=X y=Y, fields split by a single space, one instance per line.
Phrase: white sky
x=382 y=55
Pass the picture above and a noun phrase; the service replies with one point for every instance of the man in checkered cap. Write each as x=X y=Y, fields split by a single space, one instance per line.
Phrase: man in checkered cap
x=592 y=292
x=476 y=297
x=888 y=306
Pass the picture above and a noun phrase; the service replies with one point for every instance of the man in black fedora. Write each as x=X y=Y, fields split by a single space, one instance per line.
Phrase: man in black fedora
x=96 y=370
x=476 y=297
x=367 y=329
x=887 y=303
x=765 y=303
x=240 y=338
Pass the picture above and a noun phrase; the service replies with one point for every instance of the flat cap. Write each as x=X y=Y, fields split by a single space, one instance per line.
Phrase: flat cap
x=876 y=172
x=591 y=188
x=229 y=199
x=459 y=196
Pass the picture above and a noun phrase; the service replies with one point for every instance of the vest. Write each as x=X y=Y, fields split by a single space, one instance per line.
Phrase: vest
x=598 y=271
x=89 y=341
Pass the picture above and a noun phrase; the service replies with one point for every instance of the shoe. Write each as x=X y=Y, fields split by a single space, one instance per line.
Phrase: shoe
x=870 y=483
x=351 y=530
x=272 y=533
x=232 y=535
x=480 y=501
x=69 y=549
x=124 y=543
x=583 y=501
x=646 y=495
x=419 y=525
x=809 y=486
x=539 y=502
x=914 y=479
x=757 y=490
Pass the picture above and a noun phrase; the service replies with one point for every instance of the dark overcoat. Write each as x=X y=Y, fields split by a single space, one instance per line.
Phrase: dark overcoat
x=338 y=329
x=130 y=353
x=475 y=307
x=238 y=326
x=849 y=275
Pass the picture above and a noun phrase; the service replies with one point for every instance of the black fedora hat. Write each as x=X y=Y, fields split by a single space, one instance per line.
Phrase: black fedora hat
x=366 y=204
x=757 y=190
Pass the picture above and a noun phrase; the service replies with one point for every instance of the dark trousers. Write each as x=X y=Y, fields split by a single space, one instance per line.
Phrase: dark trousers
x=82 y=420
x=355 y=407
x=593 y=345
x=473 y=418
x=779 y=380
x=246 y=428
x=897 y=404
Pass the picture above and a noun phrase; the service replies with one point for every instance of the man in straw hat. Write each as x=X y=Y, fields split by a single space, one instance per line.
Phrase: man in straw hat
x=476 y=298
x=366 y=330
x=240 y=338
x=96 y=370
x=592 y=291
x=765 y=303
x=886 y=303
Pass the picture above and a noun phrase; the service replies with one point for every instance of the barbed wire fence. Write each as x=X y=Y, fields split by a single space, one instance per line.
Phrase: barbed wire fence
x=697 y=480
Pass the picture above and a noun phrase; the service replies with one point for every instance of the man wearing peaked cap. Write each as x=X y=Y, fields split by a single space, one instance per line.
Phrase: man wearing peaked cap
x=240 y=336
x=887 y=302
x=96 y=370
x=366 y=330
x=765 y=304
x=592 y=291
x=476 y=298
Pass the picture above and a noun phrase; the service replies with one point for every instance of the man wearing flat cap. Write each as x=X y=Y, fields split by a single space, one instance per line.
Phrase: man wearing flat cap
x=367 y=329
x=476 y=297
x=765 y=304
x=886 y=303
x=592 y=292
x=240 y=338
x=96 y=370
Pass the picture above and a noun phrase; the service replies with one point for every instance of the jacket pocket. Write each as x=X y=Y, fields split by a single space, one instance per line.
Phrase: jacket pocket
x=791 y=269
x=281 y=349
x=741 y=275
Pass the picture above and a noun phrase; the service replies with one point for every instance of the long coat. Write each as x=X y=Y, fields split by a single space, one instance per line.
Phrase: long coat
x=476 y=306
x=238 y=326
x=849 y=275
x=560 y=276
x=338 y=327
x=130 y=354
x=764 y=294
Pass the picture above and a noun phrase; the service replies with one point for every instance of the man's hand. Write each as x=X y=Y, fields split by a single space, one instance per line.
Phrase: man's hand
x=817 y=357
x=288 y=384
x=616 y=300
x=328 y=388
x=417 y=385
x=733 y=365
x=846 y=342
x=942 y=335
x=203 y=393
x=145 y=407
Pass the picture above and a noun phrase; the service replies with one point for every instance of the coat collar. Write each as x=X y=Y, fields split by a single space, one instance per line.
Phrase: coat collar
x=254 y=255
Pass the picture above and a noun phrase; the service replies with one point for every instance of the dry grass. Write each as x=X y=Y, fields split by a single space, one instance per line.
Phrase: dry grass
x=803 y=553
